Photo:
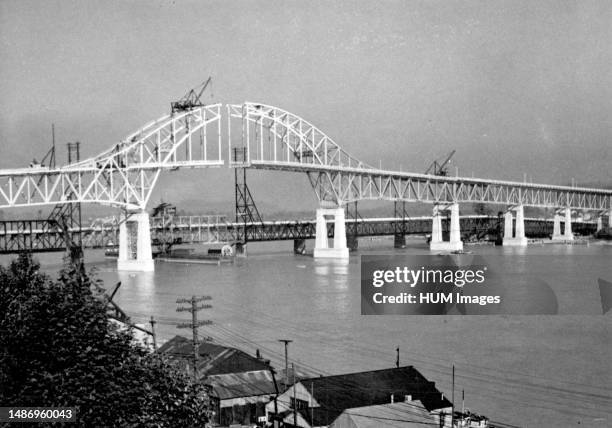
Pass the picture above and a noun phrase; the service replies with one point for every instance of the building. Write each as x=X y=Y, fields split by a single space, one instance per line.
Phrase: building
x=241 y=384
x=407 y=414
x=318 y=402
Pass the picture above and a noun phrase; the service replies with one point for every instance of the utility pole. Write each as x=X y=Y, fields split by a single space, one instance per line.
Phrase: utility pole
x=153 y=322
x=194 y=324
x=453 y=396
x=294 y=398
x=286 y=342
x=397 y=359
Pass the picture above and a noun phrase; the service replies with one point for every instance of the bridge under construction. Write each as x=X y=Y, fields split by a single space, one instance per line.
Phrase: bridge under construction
x=258 y=136
x=166 y=231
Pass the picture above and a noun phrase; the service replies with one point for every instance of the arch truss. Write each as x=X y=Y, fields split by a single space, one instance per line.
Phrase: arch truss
x=266 y=137
x=125 y=174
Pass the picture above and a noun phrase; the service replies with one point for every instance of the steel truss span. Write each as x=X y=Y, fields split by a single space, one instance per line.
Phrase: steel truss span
x=41 y=235
x=124 y=175
x=262 y=137
x=275 y=139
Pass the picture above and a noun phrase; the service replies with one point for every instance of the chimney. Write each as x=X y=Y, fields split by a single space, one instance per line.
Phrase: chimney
x=392 y=398
x=408 y=398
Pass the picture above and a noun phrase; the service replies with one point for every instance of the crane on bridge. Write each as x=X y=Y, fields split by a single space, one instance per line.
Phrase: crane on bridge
x=193 y=98
x=438 y=167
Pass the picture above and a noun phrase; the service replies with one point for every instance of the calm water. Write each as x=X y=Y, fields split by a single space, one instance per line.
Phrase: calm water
x=524 y=370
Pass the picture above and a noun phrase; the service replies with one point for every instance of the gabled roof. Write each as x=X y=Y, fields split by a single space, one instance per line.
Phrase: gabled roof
x=396 y=415
x=334 y=394
x=246 y=384
x=215 y=359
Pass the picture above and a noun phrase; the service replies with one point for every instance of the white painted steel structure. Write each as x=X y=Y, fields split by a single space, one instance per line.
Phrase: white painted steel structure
x=124 y=175
x=278 y=140
x=274 y=139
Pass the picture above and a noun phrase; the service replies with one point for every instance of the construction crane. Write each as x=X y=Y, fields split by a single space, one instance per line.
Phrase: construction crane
x=193 y=98
x=440 y=168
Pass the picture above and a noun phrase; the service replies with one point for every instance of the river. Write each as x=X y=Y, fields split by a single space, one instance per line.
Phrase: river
x=525 y=370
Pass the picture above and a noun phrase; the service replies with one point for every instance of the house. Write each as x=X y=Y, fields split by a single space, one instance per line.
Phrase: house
x=318 y=402
x=241 y=384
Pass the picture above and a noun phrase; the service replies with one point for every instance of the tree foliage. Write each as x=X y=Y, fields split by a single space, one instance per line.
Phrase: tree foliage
x=58 y=348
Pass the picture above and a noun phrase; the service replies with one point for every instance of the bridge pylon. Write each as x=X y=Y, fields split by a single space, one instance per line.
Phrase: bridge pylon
x=437 y=242
x=518 y=238
x=135 y=243
x=339 y=250
x=567 y=234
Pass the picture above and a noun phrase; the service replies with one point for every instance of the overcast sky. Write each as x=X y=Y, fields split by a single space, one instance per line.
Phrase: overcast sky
x=513 y=86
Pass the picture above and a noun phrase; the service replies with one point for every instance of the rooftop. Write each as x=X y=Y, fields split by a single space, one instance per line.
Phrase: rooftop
x=215 y=359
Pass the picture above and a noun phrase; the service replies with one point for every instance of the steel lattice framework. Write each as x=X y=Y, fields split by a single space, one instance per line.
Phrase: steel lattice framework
x=42 y=235
x=275 y=139
x=278 y=140
x=124 y=175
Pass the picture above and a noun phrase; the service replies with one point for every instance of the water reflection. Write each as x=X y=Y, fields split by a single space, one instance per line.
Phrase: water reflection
x=142 y=282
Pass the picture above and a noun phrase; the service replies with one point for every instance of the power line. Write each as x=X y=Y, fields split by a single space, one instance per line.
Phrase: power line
x=194 y=324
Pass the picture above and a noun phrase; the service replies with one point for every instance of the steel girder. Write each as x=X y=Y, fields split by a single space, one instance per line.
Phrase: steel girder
x=346 y=186
x=38 y=236
x=124 y=175
x=278 y=140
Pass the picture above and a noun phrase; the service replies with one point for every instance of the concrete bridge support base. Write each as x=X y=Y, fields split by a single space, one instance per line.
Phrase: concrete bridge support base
x=339 y=249
x=567 y=234
x=135 y=244
x=437 y=243
x=516 y=239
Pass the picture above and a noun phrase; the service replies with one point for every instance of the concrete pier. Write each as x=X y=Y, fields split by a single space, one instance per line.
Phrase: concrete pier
x=514 y=232
x=567 y=234
x=567 y=231
x=135 y=243
x=557 y=236
x=339 y=249
x=454 y=243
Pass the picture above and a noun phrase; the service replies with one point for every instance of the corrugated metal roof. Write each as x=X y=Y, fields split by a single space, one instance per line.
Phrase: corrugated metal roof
x=334 y=394
x=395 y=415
x=244 y=384
x=215 y=359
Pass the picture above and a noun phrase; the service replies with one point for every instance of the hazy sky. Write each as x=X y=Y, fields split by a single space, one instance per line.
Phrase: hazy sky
x=513 y=86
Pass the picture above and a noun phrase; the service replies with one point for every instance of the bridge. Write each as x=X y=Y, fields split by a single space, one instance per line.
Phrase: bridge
x=259 y=136
x=40 y=235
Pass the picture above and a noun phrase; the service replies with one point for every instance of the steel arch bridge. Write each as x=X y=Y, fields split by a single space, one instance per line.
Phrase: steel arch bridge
x=275 y=139
x=269 y=138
